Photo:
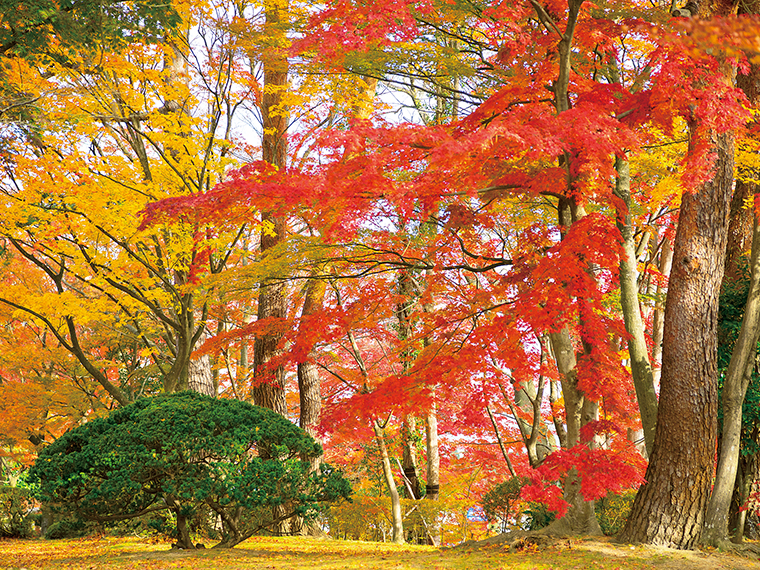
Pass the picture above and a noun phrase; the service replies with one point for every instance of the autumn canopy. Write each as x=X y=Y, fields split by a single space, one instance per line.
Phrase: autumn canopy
x=459 y=243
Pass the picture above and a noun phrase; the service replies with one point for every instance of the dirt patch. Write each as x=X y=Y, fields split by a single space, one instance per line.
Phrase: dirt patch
x=671 y=559
x=653 y=556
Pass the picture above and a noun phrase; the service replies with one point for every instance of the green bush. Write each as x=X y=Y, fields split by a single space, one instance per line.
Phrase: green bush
x=16 y=506
x=68 y=528
x=499 y=502
x=613 y=510
x=184 y=453
x=539 y=516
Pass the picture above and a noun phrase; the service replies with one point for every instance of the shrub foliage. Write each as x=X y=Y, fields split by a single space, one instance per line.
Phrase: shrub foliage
x=183 y=452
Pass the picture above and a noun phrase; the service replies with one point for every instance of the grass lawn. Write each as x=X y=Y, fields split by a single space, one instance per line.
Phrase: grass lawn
x=309 y=554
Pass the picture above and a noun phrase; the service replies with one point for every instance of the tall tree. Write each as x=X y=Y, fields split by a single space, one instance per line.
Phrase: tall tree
x=669 y=509
x=269 y=386
x=111 y=139
x=741 y=366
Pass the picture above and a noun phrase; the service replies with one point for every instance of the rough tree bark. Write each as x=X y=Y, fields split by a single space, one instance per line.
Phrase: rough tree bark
x=735 y=386
x=742 y=363
x=669 y=507
x=269 y=383
x=309 y=385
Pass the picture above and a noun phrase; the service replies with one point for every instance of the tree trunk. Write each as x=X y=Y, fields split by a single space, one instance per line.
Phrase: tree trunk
x=746 y=482
x=397 y=519
x=432 y=488
x=309 y=385
x=641 y=369
x=409 y=458
x=200 y=376
x=564 y=355
x=269 y=383
x=658 y=319
x=529 y=398
x=404 y=317
x=580 y=517
x=310 y=391
x=735 y=386
x=433 y=471
x=669 y=507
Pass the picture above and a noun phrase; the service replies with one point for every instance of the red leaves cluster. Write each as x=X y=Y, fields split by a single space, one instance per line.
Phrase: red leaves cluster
x=600 y=471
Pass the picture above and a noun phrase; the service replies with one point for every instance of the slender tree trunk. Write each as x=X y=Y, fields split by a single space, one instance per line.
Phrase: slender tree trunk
x=747 y=478
x=404 y=316
x=433 y=471
x=397 y=519
x=432 y=487
x=529 y=398
x=641 y=368
x=409 y=458
x=580 y=517
x=658 y=319
x=740 y=233
x=669 y=507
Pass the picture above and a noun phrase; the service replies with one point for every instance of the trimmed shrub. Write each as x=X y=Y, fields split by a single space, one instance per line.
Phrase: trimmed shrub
x=183 y=453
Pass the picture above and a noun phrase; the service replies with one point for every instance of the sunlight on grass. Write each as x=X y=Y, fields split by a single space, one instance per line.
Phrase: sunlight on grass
x=296 y=554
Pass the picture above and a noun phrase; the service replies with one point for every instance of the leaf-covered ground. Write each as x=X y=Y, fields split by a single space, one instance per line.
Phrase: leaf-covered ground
x=308 y=554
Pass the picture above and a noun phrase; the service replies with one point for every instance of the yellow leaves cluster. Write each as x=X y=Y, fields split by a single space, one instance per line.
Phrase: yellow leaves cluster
x=656 y=171
x=748 y=160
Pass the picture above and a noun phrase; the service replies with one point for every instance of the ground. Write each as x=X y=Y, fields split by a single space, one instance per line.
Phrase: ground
x=108 y=553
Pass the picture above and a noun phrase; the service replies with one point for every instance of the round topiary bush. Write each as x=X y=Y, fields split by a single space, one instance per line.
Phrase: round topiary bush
x=180 y=452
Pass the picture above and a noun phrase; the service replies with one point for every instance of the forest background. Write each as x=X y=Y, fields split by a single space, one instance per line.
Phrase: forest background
x=458 y=242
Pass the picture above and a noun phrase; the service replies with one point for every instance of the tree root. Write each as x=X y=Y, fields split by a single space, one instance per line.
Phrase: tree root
x=520 y=540
x=741 y=549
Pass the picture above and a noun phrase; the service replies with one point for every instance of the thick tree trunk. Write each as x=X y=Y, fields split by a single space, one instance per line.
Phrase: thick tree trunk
x=309 y=385
x=641 y=368
x=200 y=376
x=735 y=386
x=310 y=390
x=669 y=507
x=269 y=383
